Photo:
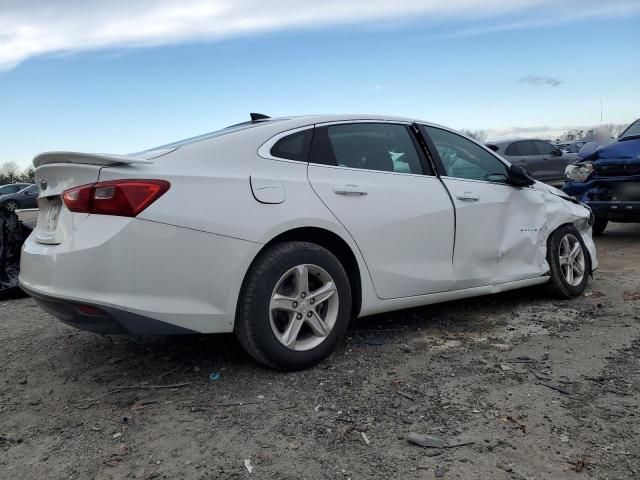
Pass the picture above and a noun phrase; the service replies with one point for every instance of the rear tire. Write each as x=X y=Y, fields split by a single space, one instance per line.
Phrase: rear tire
x=569 y=262
x=294 y=307
x=600 y=225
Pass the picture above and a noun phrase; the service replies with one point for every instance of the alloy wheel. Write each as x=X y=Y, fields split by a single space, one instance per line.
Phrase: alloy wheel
x=304 y=307
x=572 y=262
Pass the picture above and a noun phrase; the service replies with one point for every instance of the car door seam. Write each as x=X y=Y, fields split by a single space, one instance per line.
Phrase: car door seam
x=364 y=260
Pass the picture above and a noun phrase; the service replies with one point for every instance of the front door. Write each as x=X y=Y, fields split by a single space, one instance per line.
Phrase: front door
x=497 y=225
x=377 y=184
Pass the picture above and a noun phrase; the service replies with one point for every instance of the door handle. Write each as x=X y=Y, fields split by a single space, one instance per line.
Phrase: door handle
x=349 y=190
x=468 y=197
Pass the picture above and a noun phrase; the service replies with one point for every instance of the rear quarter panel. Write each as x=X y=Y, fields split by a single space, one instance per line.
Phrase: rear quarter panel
x=211 y=192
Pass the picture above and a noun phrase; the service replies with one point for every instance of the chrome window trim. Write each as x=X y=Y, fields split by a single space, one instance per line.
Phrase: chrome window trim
x=351 y=122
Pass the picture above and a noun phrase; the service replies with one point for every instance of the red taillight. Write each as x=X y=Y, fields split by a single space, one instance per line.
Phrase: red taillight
x=125 y=198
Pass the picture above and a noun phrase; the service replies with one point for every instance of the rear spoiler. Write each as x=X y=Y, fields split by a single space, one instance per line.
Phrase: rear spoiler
x=102 y=159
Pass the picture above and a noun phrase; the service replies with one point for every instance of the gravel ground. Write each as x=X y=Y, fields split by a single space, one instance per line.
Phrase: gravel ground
x=531 y=386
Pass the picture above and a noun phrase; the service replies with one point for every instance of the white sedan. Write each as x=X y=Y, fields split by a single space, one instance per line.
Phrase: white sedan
x=282 y=230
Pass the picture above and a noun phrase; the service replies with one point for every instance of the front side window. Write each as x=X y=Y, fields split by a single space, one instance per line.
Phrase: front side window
x=464 y=159
x=383 y=147
x=31 y=189
x=293 y=147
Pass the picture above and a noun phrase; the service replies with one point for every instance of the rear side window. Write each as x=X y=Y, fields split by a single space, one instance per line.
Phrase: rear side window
x=294 y=147
x=383 y=147
x=10 y=189
x=544 y=148
x=521 y=149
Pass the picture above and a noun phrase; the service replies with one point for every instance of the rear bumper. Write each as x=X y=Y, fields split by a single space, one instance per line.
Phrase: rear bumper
x=147 y=277
x=102 y=319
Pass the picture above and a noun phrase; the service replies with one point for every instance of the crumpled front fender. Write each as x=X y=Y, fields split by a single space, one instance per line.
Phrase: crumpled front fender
x=561 y=211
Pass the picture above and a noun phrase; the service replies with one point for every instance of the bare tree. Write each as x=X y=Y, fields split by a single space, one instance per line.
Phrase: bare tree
x=28 y=175
x=608 y=130
x=9 y=172
x=478 y=135
x=613 y=129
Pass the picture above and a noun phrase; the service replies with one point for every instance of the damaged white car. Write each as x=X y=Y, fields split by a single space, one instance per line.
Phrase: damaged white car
x=282 y=230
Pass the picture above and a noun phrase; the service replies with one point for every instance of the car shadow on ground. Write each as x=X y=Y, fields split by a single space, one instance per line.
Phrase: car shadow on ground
x=139 y=359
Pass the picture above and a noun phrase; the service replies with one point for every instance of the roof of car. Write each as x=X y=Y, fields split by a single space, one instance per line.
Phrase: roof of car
x=326 y=118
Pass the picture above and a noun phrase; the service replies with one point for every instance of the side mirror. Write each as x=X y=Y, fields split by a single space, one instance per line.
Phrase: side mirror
x=557 y=153
x=519 y=177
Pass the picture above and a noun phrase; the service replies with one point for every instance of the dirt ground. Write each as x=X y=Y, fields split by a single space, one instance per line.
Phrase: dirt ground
x=543 y=388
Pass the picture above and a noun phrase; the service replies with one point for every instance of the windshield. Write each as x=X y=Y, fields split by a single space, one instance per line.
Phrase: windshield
x=632 y=130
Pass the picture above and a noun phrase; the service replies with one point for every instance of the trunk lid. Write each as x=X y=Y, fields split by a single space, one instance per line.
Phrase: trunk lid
x=57 y=172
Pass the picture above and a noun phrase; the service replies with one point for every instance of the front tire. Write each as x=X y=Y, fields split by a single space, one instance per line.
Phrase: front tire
x=294 y=307
x=569 y=262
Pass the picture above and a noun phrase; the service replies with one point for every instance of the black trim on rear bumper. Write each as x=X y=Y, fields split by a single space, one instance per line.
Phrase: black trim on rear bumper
x=108 y=321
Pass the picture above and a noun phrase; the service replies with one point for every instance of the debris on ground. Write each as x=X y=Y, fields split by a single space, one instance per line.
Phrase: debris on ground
x=429 y=441
x=62 y=390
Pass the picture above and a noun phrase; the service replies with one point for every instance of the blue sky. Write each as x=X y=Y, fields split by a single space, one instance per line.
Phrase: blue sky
x=529 y=70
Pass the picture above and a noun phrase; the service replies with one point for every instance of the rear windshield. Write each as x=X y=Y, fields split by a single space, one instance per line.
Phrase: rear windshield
x=210 y=135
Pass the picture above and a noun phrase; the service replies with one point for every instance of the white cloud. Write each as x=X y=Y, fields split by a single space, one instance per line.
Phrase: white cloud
x=35 y=27
x=542 y=131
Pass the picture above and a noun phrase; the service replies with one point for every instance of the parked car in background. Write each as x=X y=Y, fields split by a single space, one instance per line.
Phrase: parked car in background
x=282 y=230
x=12 y=188
x=571 y=147
x=590 y=147
x=543 y=161
x=25 y=198
x=608 y=180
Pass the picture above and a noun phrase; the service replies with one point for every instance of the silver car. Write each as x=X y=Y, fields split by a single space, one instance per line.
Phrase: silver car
x=544 y=161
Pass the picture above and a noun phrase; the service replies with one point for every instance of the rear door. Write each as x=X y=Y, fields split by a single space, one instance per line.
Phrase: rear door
x=525 y=154
x=552 y=161
x=376 y=182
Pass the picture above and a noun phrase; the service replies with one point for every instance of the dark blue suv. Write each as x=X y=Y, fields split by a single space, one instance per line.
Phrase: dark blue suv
x=608 y=180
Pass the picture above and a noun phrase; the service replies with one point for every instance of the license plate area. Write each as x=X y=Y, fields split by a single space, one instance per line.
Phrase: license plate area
x=626 y=192
x=48 y=219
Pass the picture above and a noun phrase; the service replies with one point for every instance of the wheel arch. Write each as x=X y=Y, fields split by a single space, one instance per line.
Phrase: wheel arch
x=332 y=242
